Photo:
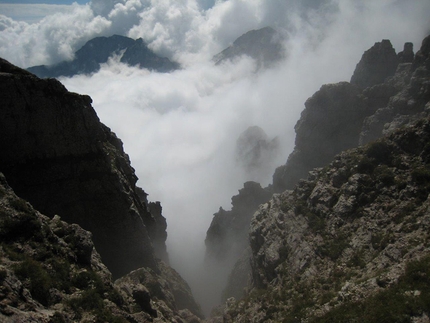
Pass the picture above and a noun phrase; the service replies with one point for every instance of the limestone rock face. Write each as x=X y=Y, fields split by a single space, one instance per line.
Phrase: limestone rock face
x=410 y=102
x=51 y=272
x=346 y=243
x=331 y=122
x=263 y=45
x=57 y=155
x=98 y=50
x=386 y=93
x=376 y=65
x=344 y=115
x=165 y=293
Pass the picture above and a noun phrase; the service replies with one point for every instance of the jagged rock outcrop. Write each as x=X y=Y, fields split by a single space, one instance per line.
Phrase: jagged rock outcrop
x=166 y=293
x=58 y=155
x=407 y=55
x=51 y=272
x=348 y=244
x=331 y=122
x=410 y=101
x=263 y=45
x=98 y=50
x=338 y=117
x=228 y=232
x=342 y=116
x=376 y=65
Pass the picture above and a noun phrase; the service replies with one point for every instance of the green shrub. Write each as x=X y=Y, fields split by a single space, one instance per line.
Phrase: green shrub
x=24 y=226
x=395 y=304
x=380 y=152
x=333 y=248
x=421 y=175
x=357 y=259
x=92 y=301
x=316 y=223
x=3 y=275
x=385 y=175
x=20 y=205
x=39 y=280
x=57 y=318
x=380 y=241
x=365 y=165
x=88 y=279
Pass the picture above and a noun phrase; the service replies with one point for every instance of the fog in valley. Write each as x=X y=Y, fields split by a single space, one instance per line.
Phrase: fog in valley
x=180 y=129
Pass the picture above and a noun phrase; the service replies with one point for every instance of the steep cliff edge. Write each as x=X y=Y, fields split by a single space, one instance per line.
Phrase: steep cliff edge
x=51 y=272
x=58 y=155
x=350 y=243
x=387 y=91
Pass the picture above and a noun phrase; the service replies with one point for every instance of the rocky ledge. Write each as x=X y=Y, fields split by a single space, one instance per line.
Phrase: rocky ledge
x=350 y=243
x=51 y=272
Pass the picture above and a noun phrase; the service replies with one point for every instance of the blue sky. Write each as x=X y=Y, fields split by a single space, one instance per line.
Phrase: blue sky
x=32 y=11
x=44 y=1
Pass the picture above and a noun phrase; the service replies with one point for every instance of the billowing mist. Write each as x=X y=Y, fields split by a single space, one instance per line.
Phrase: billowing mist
x=180 y=129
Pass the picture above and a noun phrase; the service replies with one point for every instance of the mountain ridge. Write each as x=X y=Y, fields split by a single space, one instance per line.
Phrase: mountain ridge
x=88 y=58
x=373 y=108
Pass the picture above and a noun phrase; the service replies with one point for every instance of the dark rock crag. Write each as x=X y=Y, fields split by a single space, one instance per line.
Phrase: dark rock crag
x=98 y=50
x=51 y=272
x=58 y=155
x=349 y=243
x=228 y=232
x=344 y=115
x=377 y=64
x=263 y=45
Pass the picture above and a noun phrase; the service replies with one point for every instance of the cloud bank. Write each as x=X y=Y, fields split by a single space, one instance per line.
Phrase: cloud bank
x=180 y=129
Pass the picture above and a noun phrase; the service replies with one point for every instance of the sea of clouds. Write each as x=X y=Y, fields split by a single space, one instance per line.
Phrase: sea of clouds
x=180 y=128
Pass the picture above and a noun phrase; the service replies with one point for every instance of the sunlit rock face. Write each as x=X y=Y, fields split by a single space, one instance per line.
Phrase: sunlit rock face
x=348 y=240
x=263 y=45
x=98 y=50
x=328 y=214
x=61 y=158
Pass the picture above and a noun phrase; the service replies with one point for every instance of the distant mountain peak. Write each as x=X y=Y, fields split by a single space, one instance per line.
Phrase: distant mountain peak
x=263 y=45
x=98 y=50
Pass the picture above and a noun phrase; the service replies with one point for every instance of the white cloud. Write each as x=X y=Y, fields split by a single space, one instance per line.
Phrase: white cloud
x=32 y=13
x=180 y=128
x=56 y=37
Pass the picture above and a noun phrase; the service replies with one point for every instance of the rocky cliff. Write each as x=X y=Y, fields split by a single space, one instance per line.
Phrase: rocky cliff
x=51 y=272
x=387 y=91
x=57 y=155
x=348 y=244
x=98 y=50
